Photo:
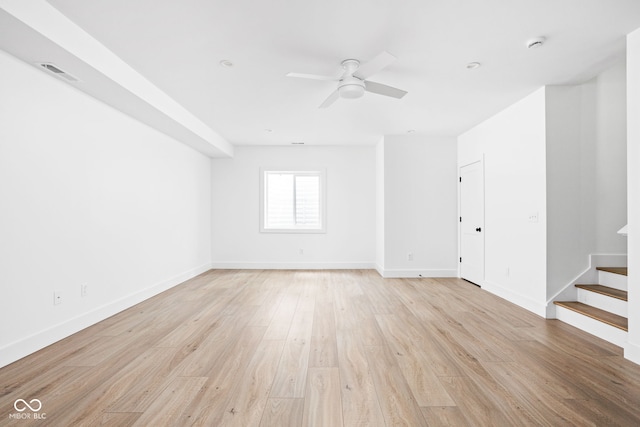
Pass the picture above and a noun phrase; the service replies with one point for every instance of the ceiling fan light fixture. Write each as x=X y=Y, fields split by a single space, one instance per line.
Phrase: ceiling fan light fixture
x=351 y=87
x=351 y=91
x=354 y=81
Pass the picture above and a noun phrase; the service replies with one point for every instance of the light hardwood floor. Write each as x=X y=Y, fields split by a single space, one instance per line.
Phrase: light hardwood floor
x=325 y=348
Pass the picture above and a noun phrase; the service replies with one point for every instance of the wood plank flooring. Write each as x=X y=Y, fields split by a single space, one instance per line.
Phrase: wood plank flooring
x=325 y=348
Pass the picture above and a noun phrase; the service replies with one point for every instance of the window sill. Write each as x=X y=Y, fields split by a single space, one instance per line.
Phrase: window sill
x=292 y=231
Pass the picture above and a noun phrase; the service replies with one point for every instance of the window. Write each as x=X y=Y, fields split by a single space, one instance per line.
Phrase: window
x=292 y=202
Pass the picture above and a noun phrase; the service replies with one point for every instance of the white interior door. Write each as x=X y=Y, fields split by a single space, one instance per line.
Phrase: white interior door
x=472 y=223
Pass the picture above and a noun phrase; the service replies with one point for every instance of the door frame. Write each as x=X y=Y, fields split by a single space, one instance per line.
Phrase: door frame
x=469 y=162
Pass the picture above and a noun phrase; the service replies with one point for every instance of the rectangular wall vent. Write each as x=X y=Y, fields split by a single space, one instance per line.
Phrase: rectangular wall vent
x=57 y=71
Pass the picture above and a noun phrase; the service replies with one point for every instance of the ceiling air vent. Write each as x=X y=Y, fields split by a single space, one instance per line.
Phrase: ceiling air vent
x=57 y=71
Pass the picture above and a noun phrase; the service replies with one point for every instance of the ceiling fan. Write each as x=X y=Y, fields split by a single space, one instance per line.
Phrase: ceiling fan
x=352 y=83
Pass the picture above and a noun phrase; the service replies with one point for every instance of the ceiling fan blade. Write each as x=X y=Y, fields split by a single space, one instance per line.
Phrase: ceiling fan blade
x=313 y=77
x=331 y=99
x=376 y=64
x=385 y=90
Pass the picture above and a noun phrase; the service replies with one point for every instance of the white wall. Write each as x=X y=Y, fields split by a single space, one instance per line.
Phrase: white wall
x=586 y=174
x=88 y=196
x=351 y=209
x=611 y=159
x=632 y=350
x=559 y=153
x=570 y=169
x=513 y=146
x=420 y=206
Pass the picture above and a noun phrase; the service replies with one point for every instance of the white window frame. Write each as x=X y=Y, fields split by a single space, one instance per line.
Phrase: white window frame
x=323 y=205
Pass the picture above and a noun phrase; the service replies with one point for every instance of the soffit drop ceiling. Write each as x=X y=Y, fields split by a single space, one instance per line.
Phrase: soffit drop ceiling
x=177 y=46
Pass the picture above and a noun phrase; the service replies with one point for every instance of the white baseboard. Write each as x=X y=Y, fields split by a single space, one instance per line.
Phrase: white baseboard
x=399 y=274
x=293 y=265
x=380 y=270
x=28 y=345
x=632 y=352
x=386 y=273
x=525 y=302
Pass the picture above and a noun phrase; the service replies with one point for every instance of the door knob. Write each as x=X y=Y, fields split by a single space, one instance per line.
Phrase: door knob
x=478 y=229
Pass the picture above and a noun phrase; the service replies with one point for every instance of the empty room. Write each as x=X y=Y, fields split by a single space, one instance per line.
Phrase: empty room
x=319 y=213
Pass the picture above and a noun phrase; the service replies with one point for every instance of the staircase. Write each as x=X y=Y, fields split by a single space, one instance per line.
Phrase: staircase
x=601 y=309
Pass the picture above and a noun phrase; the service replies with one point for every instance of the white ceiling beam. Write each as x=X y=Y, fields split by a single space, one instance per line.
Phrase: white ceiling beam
x=47 y=21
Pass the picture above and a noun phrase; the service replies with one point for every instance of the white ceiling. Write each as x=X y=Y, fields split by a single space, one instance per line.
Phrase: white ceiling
x=177 y=46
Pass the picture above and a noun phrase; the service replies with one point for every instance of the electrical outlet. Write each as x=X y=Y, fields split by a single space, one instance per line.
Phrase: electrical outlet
x=57 y=297
x=301 y=251
x=84 y=289
x=410 y=256
x=533 y=217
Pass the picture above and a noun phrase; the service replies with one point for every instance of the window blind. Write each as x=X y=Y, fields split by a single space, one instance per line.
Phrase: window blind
x=292 y=200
